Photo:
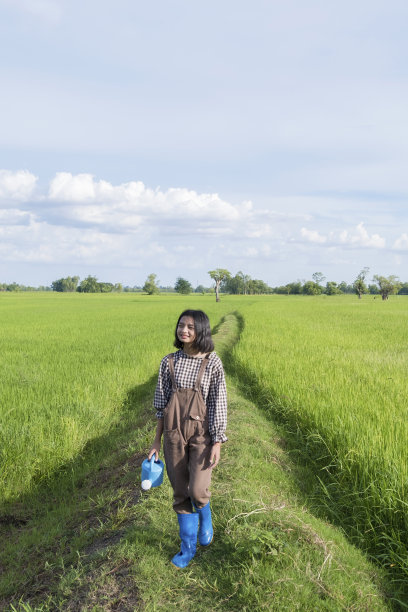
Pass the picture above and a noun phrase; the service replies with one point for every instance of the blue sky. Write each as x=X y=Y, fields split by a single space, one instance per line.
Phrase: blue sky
x=268 y=137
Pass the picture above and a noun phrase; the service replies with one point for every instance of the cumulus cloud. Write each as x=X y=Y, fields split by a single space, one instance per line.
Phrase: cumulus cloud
x=401 y=243
x=313 y=236
x=82 y=221
x=14 y=217
x=18 y=186
x=100 y=202
x=359 y=237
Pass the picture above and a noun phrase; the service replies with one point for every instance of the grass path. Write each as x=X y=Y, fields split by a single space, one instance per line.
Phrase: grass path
x=89 y=539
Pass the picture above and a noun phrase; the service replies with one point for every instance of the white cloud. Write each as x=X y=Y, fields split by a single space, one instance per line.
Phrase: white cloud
x=313 y=236
x=359 y=237
x=14 y=217
x=130 y=205
x=19 y=185
x=401 y=243
x=81 y=221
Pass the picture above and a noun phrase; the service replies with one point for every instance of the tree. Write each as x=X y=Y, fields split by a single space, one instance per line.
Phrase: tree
x=311 y=288
x=70 y=283
x=388 y=285
x=359 y=285
x=200 y=289
x=332 y=288
x=237 y=284
x=150 y=285
x=318 y=278
x=183 y=286
x=345 y=288
x=89 y=285
x=257 y=286
x=218 y=276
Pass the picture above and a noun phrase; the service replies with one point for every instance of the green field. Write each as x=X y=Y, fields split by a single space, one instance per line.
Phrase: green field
x=335 y=370
x=331 y=370
x=67 y=365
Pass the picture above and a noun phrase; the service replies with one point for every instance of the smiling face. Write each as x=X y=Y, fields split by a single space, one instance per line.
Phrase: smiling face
x=186 y=331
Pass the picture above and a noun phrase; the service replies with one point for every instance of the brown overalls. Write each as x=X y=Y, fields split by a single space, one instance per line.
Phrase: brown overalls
x=187 y=444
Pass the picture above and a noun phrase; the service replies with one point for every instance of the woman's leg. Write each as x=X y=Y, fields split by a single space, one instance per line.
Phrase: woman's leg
x=176 y=456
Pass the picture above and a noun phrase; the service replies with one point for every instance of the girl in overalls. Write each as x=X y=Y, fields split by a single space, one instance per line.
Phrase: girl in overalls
x=191 y=407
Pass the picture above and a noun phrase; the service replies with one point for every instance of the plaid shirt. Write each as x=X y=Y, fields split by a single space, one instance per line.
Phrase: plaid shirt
x=213 y=388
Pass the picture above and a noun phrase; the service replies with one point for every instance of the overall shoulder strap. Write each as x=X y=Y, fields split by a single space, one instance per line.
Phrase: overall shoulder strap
x=172 y=373
x=201 y=372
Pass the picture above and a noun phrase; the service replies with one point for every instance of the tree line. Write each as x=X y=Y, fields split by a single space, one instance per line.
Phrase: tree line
x=225 y=282
x=243 y=284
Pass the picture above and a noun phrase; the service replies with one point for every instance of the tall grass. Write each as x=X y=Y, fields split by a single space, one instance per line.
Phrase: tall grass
x=336 y=370
x=67 y=363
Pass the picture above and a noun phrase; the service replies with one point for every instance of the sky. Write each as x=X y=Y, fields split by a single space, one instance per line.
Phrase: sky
x=174 y=138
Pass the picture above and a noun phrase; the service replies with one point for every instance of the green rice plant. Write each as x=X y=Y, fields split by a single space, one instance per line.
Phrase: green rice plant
x=335 y=369
x=67 y=364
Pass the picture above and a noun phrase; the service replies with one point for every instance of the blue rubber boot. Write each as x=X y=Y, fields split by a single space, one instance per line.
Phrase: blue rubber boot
x=205 y=531
x=188 y=524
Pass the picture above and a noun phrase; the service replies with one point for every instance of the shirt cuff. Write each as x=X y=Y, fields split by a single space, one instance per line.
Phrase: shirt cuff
x=160 y=414
x=219 y=438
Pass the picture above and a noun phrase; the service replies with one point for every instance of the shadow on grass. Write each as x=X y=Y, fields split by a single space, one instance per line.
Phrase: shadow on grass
x=70 y=515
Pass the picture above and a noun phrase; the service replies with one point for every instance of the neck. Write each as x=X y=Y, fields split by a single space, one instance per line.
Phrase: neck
x=190 y=350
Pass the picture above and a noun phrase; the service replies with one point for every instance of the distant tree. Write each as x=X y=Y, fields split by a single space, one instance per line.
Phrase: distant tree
x=200 y=289
x=118 y=287
x=257 y=287
x=183 y=286
x=295 y=288
x=237 y=284
x=89 y=285
x=403 y=290
x=373 y=290
x=359 y=285
x=106 y=287
x=244 y=280
x=150 y=285
x=332 y=288
x=70 y=283
x=218 y=276
x=345 y=288
x=282 y=290
x=311 y=288
x=388 y=285
x=318 y=278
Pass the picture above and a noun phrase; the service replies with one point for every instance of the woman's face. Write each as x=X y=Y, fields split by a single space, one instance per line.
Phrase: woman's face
x=186 y=331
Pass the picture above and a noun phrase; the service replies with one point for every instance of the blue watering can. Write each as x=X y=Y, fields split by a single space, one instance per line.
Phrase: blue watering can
x=152 y=473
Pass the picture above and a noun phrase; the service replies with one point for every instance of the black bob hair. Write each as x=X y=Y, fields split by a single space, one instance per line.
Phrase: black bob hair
x=203 y=341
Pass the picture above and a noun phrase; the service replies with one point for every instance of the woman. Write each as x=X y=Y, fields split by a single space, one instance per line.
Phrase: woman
x=191 y=407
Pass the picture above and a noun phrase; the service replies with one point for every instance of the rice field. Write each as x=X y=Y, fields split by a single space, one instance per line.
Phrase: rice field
x=333 y=368
x=67 y=363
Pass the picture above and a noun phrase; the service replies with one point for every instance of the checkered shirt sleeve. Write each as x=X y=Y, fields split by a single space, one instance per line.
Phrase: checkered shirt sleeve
x=213 y=389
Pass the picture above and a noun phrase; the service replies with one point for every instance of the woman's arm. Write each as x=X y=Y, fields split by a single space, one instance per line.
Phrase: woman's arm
x=155 y=449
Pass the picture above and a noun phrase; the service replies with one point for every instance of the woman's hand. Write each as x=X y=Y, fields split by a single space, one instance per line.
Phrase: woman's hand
x=155 y=450
x=215 y=454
